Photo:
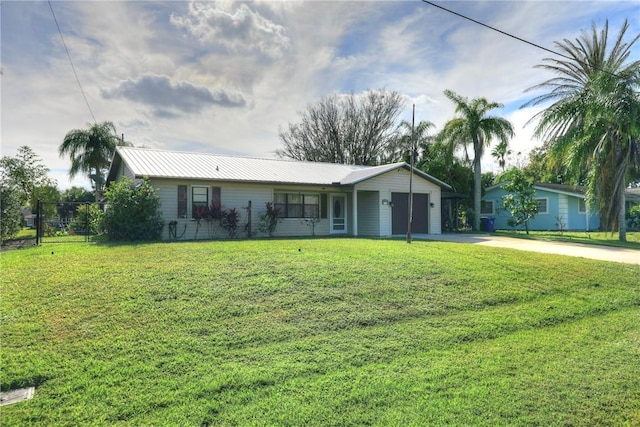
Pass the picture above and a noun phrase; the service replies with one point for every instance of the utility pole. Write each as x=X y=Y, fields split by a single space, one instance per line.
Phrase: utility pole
x=410 y=219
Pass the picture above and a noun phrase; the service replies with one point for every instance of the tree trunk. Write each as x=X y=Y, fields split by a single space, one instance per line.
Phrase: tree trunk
x=98 y=186
x=477 y=185
x=622 y=224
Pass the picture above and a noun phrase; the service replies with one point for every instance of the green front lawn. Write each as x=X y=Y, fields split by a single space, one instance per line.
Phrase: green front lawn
x=331 y=332
x=26 y=233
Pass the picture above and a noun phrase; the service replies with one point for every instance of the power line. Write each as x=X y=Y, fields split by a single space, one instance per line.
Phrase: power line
x=71 y=62
x=512 y=36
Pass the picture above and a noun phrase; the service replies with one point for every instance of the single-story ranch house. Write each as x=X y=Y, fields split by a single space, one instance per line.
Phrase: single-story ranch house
x=344 y=199
x=560 y=207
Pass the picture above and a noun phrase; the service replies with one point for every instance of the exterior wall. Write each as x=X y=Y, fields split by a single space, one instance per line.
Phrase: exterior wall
x=233 y=195
x=558 y=206
x=373 y=218
x=563 y=219
x=368 y=213
x=397 y=181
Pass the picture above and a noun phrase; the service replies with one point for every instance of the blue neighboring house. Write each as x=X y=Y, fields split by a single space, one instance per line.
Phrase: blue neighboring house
x=560 y=207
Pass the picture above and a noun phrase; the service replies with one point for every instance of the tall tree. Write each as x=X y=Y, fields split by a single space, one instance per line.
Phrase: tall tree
x=91 y=151
x=348 y=129
x=593 y=121
x=474 y=126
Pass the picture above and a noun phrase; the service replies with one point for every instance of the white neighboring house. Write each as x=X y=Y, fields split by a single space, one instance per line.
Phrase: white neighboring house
x=345 y=199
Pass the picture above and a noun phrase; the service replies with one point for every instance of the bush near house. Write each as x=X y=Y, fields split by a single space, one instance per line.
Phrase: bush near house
x=633 y=219
x=88 y=218
x=132 y=211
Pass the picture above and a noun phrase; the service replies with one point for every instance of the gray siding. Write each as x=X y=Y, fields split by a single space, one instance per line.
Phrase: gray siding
x=398 y=181
x=368 y=213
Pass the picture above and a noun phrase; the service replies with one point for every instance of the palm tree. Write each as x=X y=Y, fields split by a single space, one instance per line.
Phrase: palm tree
x=474 y=126
x=500 y=152
x=593 y=122
x=91 y=151
x=400 y=147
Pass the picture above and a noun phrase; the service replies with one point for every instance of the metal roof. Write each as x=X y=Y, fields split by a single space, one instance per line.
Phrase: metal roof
x=156 y=163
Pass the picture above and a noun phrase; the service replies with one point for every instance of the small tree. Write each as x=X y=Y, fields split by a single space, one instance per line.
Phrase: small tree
x=520 y=202
x=132 y=211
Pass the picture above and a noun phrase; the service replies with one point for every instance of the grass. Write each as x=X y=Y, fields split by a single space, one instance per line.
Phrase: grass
x=333 y=332
x=26 y=233
x=590 y=237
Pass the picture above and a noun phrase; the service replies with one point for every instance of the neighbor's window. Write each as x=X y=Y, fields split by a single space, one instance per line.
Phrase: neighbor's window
x=182 y=201
x=199 y=200
x=486 y=207
x=297 y=205
x=542 y=206
x=582 y=206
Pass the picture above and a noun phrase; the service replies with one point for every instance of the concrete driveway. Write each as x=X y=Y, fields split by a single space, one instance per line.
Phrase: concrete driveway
x=603 y=253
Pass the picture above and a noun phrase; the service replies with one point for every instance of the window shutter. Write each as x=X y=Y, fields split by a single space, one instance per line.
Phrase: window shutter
x=182 y=201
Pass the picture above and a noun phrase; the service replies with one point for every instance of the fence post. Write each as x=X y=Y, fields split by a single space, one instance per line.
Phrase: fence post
x=249 y=220
x=38 y=226
x=86 y=222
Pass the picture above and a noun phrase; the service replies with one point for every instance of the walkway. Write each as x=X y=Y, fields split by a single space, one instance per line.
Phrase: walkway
x=603 y=253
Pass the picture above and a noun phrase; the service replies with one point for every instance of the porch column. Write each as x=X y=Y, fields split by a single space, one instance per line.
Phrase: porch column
x=355 y=211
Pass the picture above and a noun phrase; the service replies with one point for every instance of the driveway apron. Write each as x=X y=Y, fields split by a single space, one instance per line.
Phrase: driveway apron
x=603 y=253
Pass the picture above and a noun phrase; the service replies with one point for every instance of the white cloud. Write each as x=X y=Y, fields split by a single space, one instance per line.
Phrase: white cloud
x=235 y=27
x=171 y=70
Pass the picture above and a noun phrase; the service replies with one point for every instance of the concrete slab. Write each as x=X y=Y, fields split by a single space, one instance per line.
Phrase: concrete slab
x=603 y=253
x=15 y=396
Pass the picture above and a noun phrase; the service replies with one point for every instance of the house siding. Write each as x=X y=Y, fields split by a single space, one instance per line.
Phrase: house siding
x=563 y=219
x=559 y=206
x=236 y=196
x=368 y=213
x=397 y=181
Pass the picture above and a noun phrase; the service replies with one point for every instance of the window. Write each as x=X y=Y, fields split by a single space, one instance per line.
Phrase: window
x=486 y=207
x=182 y=201
x=542 y=206
x=199 y=200
x=582 y=206
x=297 y=205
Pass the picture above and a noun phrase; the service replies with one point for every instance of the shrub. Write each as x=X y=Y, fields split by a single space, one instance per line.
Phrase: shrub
x=269 y=219
x=633 y=219
x=11 y=217
x=132 y=211
x=88 y=217
x=230 y=221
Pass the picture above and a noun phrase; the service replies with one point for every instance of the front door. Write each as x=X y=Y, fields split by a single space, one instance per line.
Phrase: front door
x=338 y=209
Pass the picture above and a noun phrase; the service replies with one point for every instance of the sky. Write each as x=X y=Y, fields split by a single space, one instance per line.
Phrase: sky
x=223 y=77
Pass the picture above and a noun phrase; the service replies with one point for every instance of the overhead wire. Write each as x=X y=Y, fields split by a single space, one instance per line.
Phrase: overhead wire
x=71 y=62
x=511 y=35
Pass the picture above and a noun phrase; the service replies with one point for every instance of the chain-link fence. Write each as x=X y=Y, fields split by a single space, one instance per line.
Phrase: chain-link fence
x=63 y=222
